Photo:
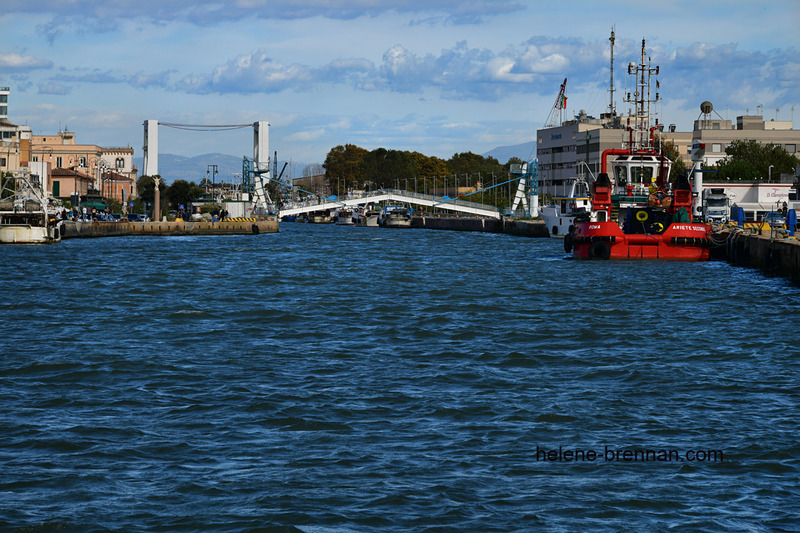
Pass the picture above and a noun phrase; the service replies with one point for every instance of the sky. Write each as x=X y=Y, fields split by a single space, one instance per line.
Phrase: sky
x=435 y=76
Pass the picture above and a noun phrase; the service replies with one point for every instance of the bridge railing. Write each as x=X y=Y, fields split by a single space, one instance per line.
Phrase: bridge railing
x=398 y=195
x=441 y=201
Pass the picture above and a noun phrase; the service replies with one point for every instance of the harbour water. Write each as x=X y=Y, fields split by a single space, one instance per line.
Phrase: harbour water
x=335 y=379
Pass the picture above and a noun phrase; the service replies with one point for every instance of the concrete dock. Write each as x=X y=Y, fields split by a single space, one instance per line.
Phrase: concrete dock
x=243 y=226
x=527 y=228
x=773 y=253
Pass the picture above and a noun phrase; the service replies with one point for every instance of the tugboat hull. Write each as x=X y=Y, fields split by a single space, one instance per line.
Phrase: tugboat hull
x=605 y=240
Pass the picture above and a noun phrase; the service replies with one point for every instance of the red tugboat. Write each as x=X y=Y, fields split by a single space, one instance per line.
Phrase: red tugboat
x=636 y=212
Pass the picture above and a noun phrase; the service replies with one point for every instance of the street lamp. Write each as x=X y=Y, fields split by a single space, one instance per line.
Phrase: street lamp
x=769 y=170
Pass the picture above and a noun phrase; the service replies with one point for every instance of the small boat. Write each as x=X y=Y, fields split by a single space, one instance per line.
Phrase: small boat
x=636 y=212
x=559 y=216
x=320 y=217
x=366 y=217
x=26 y=217
x=395 y=216
x=344 y=217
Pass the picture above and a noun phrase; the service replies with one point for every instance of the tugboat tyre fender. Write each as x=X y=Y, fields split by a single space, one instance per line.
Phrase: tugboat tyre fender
x=568 y=242
x=600 y=250
x=255 y=229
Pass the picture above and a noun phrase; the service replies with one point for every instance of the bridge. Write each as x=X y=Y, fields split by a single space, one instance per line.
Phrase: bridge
x=391 y=196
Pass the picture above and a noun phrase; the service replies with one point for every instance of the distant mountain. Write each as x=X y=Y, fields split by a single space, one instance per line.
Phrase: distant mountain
x=177 y=167
x=523 y=151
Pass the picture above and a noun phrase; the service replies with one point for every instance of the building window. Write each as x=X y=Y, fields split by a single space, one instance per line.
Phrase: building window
x=82 y=162
x=56 y=188
x=791 y=148
x=58 y=162
x=35 y=158
x=2 y=161
x=120 y=163
x=716 y=148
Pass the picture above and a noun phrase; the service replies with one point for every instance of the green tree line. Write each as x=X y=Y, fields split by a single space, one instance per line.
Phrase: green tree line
x=750 y=160
x=352 y=167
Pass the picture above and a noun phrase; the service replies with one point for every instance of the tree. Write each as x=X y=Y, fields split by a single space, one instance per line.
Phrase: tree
x=678 y=168
x=429 y=166
x=146 y=185
x=343 y=163
x=469 y=163
x=387 y=168
x=183 y=192
x=748 y=160
x=512 y=161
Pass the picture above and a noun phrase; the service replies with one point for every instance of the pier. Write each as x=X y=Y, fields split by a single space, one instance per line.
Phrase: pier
x=524 y=228
x=772 y=253
x=244 y=226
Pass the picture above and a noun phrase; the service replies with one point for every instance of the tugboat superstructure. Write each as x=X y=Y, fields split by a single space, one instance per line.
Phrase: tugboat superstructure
x=636 y=212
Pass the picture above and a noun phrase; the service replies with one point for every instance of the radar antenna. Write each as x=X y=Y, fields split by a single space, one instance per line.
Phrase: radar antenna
x=612 y=108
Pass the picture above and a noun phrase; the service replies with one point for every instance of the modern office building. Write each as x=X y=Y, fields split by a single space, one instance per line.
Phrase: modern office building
x=575 y=147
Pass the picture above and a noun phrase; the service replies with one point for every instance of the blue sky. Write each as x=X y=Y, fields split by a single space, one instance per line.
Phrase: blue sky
x=434 y=76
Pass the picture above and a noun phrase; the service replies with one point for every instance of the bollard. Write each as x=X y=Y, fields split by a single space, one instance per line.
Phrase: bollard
x=737 y=215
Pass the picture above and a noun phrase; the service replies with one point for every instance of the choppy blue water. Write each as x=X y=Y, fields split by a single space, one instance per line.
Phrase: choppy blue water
x=335 y=379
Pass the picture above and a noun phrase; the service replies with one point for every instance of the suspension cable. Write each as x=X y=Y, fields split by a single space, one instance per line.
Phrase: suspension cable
x=205 y=127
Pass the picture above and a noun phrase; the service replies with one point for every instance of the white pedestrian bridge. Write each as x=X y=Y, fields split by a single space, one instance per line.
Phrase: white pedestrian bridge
x=390 y=196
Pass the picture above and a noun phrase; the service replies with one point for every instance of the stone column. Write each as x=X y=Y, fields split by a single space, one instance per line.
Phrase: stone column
x=157 y=201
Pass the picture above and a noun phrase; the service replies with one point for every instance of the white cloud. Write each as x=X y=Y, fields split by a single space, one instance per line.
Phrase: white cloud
x=305 y=136
x=17 y=62
x=55 y=88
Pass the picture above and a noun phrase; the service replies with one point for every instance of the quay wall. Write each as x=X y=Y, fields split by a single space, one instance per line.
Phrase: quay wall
x=528 y=228
x=89 y=229
x=773 y=256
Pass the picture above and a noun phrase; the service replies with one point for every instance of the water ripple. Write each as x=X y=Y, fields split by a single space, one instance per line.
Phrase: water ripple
x=357 y=379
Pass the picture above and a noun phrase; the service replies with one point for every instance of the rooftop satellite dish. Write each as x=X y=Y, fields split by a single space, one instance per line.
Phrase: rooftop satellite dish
x=706 y=107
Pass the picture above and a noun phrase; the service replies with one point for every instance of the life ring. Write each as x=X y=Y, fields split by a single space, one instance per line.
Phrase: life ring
x=642 y=216
x=599 y=250
x=658 y=227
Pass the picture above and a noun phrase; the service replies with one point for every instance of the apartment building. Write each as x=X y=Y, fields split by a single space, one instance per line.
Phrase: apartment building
x=70 y=168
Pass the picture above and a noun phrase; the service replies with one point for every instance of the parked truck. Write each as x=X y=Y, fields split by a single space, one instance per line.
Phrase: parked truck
x=716 y=205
